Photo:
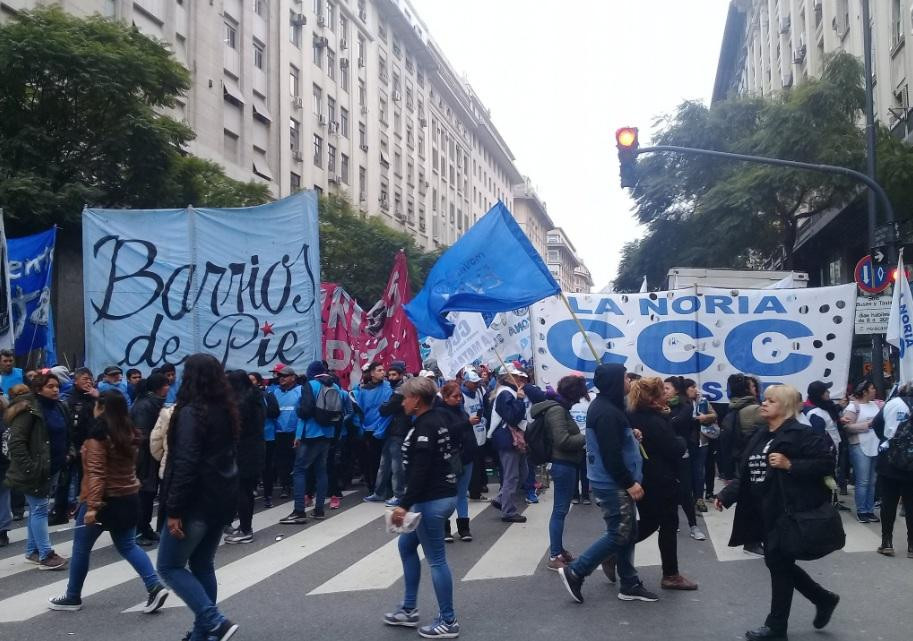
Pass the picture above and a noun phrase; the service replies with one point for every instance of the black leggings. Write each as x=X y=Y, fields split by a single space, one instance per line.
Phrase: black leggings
x=785 y=578
x=686 y=498
x=662 y=516
x=246 y=503
x=370 y=458
x=892 y=491
x=146 y=500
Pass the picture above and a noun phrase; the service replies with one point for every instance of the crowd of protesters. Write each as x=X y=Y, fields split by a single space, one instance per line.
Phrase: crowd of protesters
x=158 y=460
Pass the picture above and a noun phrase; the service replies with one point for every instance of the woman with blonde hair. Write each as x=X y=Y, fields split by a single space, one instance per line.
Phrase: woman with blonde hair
x=782 y=469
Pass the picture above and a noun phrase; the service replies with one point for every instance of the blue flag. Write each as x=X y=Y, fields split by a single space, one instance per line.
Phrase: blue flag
x=492 y=268
x=31 y=261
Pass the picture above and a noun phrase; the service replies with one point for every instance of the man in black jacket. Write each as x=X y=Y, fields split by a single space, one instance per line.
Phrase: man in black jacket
x=144 y=414
x=391 y=469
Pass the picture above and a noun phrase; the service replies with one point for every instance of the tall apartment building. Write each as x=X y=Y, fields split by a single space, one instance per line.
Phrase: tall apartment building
x=565 y=265
x=346 y=95
x=770 y=45
x=532 y=216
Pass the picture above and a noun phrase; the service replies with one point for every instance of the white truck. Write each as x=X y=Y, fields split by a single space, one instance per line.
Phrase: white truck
x=679 y=277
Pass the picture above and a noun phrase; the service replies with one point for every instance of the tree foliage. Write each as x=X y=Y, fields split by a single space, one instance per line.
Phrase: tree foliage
x=357 y=252
x=82 y=121
x=706 y=212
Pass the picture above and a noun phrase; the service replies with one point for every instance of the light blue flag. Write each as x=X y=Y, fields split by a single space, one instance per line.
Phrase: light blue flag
x=492 y=268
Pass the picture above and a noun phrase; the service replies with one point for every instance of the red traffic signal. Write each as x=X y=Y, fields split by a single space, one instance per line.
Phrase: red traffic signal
x=626 y=141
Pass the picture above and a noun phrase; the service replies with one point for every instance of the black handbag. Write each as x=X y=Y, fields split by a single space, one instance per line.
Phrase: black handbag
x=119 y=513
x=809 y=534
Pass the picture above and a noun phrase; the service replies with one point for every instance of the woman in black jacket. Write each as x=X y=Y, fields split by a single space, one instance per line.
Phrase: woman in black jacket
x=658 y=510
x=782 y=466
x=463 y=441
x=251 y=451
x=688 y=427
x=199 y=491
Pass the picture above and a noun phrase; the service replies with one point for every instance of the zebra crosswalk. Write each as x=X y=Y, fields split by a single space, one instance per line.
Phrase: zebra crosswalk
x=504 y=551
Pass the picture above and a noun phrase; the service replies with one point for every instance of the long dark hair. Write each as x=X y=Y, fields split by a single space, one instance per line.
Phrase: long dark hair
x=117 y=424
x=204 y=385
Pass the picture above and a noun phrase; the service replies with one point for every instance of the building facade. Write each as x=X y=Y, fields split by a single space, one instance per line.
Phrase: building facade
x=532 y=216
x=565 y=265
x=352 y=96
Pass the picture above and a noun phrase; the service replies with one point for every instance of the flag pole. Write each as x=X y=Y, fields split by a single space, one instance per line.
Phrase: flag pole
x=586 y=336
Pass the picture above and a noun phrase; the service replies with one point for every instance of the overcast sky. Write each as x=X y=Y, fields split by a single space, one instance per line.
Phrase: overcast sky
x=560 y=78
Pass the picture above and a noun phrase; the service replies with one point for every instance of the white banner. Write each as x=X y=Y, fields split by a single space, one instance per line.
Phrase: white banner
x=787 y=336
x=473 y=343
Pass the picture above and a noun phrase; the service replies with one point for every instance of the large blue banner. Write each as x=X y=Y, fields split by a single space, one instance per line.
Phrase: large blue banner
x=31 y=261
x=240 y=284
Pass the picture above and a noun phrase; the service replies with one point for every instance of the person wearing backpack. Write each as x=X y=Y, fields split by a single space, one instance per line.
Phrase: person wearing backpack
x=555 y=437
x=895 y=467
x=739 y=423
x=320 y=410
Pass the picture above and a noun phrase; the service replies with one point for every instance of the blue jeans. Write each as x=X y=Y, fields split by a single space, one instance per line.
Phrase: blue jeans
x=864 y=469
x=6 y=512
x=39 y=539
x=430 y=533
x=310 y=453
x=698 y=458
x=125 y=543
x=620 y=517
x=462 y=497
x=197 y=586
x=390 y=469
x=530 y=483
x=564 y=480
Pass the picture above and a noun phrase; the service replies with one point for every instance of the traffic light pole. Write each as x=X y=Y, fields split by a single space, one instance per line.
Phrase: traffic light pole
x=875 y=190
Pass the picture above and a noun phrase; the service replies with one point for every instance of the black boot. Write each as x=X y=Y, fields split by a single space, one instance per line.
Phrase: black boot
x=448 y=536
x=463 y=529
x=886 y=547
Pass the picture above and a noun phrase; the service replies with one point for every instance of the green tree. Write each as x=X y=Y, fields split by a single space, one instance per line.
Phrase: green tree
x=706 y=212
x=357 y=252
x=82 y=121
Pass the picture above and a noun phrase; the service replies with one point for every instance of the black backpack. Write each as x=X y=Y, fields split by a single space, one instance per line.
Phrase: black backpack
x=900 y=450
x=539 y=441
x=328 y=406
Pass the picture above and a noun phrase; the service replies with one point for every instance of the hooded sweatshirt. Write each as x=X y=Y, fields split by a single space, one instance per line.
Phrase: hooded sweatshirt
x=613 y=456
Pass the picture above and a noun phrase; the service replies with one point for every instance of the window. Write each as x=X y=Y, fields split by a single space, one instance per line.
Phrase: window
x=410 y=137
x=318 y=53
x=344 y=122
x=420 y=78
x=258 y=55
x=230 y=144
x=318 y=101
x=552 y=256
x=294 y=129
x=382 y=67
x=258 y=5
x=294 y=29
x=362 y=134
x=331 y=159
x=231 y=35
x=344 y=76
x=382 y=109
x=294 y=182
x=397 y=122
x=343 y=26
x=398 y=163
x=384 y=194
x=398 y=203
x=382 y=32
x=331 y=109
x=361 y=49
x=331 y=64
x=344 y=168
x=420 y=143
x=397 y=50
x=293 y=86
x=410 y=172
x=362 y=93
x=318 y=151
x=362 y=184
x=410 y=103
x=330 y=16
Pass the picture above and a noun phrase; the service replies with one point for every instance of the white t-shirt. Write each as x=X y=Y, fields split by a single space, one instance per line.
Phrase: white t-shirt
x=868 y=440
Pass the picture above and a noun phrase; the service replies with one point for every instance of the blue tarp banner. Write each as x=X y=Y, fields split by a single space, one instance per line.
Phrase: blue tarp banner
x=240 y=284
x=492 y=268
x=31 y=261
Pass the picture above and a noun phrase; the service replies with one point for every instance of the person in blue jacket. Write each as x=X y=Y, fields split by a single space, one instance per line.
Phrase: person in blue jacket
x=312 y=443
x=370 y=395
x=287 y=393
x=114 y=379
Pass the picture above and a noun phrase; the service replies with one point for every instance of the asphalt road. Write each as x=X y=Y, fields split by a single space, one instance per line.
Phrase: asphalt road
x=335 y=579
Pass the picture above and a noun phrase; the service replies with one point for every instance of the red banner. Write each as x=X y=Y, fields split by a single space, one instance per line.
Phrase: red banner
x=353 y=338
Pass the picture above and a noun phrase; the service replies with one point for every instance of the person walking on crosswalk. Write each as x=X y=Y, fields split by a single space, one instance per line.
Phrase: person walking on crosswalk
x=431 y=482
x=783 y=468
x=508 y=414
x=251 y=451
x=39 y=448
x=615 y=469
x=109 y=500
x=199 y=492
x=462 y=436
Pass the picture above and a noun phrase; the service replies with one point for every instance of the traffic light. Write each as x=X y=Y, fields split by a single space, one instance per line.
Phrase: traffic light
x=626 y=141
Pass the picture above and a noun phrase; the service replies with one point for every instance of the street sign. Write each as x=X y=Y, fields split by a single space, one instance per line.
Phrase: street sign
x=872 y=314
x=872 y=279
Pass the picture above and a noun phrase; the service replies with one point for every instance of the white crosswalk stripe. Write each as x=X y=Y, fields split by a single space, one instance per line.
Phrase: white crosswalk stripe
x=17 y=564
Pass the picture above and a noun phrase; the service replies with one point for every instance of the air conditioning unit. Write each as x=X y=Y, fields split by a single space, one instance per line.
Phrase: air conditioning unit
x=422 y=122
x=364 y=147
x=785 y=24
x=297 y=102
x=343 y=44
x=361 y=62
x=397 y=96
x=322 y=120
x=321 y=21
x=398 y=214
x=297 y=156
x=788 y=79
x=334 y=179
x=364 y=109
x=799 y=55
x=334 y=127
x=343 y=62
x=299 y=20
x=320 y=42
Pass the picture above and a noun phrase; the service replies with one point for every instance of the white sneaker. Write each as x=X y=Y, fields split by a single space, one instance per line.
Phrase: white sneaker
x=696 y=534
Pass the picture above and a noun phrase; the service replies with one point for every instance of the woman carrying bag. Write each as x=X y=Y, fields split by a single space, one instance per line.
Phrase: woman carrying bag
x=109 y=500
x=783 y=502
